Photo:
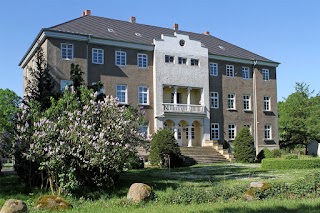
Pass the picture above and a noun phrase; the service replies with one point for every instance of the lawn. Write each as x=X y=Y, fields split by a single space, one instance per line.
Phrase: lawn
x=168 y=185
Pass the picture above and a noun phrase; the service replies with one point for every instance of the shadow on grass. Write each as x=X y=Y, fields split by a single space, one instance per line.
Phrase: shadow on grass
x=301 y=208
x=161 y=179
x=10 y=186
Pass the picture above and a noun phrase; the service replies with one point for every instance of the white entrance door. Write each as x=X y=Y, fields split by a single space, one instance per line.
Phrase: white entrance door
x=179 y=136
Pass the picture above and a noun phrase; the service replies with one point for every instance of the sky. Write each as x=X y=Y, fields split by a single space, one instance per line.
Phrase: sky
x=285 y=31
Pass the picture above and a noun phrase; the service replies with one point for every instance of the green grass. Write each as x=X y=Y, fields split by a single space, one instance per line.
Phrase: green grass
x=166 y=183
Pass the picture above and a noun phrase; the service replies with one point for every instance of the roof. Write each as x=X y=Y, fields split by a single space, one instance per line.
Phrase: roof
x=125 y=31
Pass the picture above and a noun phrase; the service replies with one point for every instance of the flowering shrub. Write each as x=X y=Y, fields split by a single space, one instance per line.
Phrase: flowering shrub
x=80 y=141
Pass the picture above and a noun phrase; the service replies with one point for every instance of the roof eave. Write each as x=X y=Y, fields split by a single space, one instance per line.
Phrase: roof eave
x=244 y=61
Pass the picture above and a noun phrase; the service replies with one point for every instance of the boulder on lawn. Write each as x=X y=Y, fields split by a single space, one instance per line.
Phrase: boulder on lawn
x=253 y=187
x=52 y=202
x=139 y=192
x=14 y=206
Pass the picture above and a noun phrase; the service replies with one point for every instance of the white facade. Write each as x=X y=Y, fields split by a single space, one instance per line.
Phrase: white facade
x=181 y=90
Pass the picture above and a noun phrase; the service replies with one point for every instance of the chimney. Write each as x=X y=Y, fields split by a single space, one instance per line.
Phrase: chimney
x=206 y=33
x=86 y=13
x=133 y=19
x=175 y=26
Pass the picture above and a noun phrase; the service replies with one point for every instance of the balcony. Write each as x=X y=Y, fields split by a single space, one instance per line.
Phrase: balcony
x=183 y=108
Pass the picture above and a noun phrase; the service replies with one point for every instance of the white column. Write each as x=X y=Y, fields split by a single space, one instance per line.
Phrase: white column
x=188 y=99
x=175 y=95
x=189 y=136
x=202 y=97
x=176 y=133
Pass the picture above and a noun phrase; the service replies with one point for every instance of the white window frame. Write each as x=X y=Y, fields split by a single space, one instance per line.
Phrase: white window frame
x=265 y=74
x=215 y=131
x=144 y=95
x=182 y=60
x=214 y=69
x=194 y=62
x=120 y=58
x=64 y=83
x=144 y=129
x=246 y=102
x=231 y=101
x=267 y=132
x=67 y=47
x=245 y=73
x=230 y=71
x=120 y=89
x=142 y=60
x=97 y=56
x=214 y=97
x=266 y=103
x=232 y=131
x=169 y=59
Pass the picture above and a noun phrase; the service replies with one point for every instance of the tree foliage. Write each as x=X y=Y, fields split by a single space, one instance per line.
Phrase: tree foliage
x=163 y=147
x=244 y=150
x=299 y=117
x=40 y=84
x=9 y=102
x=78 y=141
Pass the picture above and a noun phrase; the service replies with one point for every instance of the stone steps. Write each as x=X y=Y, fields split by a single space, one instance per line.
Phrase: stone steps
x=201 y=155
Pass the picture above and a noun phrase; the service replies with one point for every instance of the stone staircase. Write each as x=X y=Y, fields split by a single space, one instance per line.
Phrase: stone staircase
x=202 y=155
x=219 y=148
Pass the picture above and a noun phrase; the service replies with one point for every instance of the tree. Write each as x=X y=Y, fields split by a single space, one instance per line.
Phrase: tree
x=164 y=146
x=9 y=102
x=244 y=150
x=78 y=141
x=299 y=118
x=76 y=76
x=40 y=84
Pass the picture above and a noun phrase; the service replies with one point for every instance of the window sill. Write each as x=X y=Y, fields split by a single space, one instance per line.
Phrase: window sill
x=98 y=63
x=214 y=107
x=267 y=111
x=247 y=110
x=121 y=65
x=143 y=68
x=268 y=140
x=67 y=59
x=143 y=104
x=231 y=110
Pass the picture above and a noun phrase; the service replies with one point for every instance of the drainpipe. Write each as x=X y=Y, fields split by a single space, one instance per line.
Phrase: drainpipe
x=255 y=106
x=87 y=72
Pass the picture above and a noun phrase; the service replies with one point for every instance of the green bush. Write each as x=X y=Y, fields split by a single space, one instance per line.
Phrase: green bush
x=267 y=153
x=134 y=161
x=274 y=163
x=244 y=150
x=276 y=153
x=164 y=145
x=291 y=156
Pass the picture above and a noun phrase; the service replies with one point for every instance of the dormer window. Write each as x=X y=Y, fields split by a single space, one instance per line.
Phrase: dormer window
x=194 y=62
x=182 y=60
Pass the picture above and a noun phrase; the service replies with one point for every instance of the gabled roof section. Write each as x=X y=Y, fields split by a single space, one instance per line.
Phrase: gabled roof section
x=126 y=31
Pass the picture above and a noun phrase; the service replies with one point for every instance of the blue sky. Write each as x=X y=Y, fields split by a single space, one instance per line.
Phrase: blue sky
x=285 y=31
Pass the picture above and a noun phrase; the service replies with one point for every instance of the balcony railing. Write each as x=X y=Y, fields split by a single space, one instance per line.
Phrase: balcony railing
x=183 y=108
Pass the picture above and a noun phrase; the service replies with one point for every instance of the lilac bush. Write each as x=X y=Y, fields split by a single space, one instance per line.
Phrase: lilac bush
x=79 y=141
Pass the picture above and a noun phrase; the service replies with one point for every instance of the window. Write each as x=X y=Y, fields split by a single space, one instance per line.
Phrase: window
x=97 y=56
x=267 y=132
x=143 y=130
x=122 y=93
x=192 y=132
x=214 y=100
x=182 y=60
x=178 y=98
x=215 y=131
x=248 y=126
x=121 y=58
x=179 y=133
x=231 y=131
x=230 y=71
x=231 y=101
x=64 y=83
x=67 y=51
x=194 y=62
x=265 y=74
x=266 y=103
x=169 y=59
x=142 y=60
x=143 y=95
x=245 y=73
x=246 y=102
x=214 y=69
